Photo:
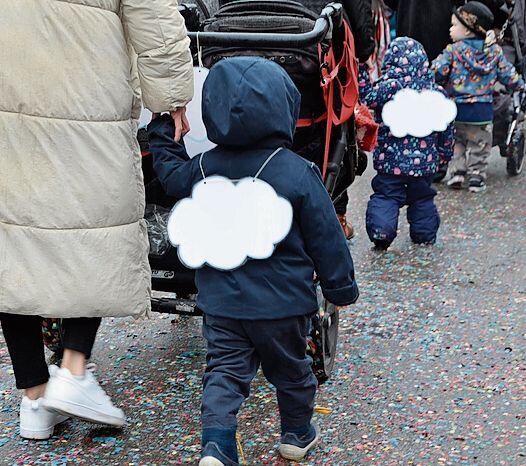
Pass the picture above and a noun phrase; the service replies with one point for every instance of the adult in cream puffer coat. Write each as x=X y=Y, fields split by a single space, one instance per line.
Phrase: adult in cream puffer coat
x=72 y=239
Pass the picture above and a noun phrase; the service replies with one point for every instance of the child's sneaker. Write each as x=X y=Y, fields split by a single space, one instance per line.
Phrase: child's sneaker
x=456 y=181
x=294 y=447
x=36 y=422
x=213 y=456
x=477 y=184
x=81 y=397
x=381 y=244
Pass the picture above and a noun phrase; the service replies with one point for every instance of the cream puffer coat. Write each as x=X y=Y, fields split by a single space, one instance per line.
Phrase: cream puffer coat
x=72 y=239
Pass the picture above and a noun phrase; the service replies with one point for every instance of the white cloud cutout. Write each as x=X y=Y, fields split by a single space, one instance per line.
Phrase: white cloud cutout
x=196 y=141
x=223 y=223
x=418 y=114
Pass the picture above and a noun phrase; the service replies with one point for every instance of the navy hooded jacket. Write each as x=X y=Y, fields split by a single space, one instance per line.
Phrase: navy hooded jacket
x=250 y=108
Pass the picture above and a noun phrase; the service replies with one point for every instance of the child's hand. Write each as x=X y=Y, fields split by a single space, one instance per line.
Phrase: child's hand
x=182 y=126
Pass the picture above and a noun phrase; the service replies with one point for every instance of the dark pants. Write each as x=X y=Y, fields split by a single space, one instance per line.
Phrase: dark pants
x=236 y=349
x=341 y=203
x=23 y=336
x=391 y=193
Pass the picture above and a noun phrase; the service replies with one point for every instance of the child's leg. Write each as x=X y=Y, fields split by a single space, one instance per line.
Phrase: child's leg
x=479 y=150
x=281 y=345
x=232 y=363
x=458 y=164
x=422 y=213
x=23 y=336
x=383 y=208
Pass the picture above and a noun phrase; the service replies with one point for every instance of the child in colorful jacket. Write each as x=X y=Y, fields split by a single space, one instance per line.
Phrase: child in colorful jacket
x=469 y=70
x=405 y=165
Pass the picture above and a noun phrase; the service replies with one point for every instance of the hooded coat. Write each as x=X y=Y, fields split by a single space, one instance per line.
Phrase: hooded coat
x=405 y=66
x=254 y=114
x=72 y=239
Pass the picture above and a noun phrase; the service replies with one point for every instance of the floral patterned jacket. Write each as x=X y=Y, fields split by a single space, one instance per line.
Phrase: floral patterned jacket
x=405 y=66
x=469 y=71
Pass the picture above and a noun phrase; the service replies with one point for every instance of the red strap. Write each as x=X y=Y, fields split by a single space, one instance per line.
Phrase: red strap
x=306 y=122
x=348 y=90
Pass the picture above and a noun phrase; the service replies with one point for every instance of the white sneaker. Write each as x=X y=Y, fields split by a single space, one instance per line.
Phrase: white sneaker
x=82 y=398
x=455 y=182
x=36 y=422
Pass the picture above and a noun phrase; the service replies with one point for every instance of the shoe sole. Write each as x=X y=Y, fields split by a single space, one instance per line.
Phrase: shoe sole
x=82 y=412
x=294 y=453
x=477 y=190
x=43 y=434
x=210 y=461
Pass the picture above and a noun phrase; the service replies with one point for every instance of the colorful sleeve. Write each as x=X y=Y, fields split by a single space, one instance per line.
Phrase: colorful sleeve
x=364 y=81
x=508 y=76
x=442 y=65
x=381 y=92
x=446 y=141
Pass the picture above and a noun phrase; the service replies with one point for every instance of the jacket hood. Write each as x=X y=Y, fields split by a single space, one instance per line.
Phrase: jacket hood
x=406 y=61
x=477 y=57
x=250 y=101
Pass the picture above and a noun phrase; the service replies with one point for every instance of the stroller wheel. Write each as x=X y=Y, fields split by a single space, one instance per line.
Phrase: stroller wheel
x=515 y=159
x=52 y=336
x=323 y=341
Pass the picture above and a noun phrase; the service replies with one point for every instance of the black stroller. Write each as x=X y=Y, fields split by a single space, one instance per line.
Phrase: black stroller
x=289 y=34
x=509 y=130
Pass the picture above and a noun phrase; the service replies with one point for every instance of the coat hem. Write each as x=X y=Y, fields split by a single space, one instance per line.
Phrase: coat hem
x=78 y=120
x=71 y=228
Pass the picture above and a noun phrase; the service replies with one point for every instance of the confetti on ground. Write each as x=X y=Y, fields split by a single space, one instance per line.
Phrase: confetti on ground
x=430 y=369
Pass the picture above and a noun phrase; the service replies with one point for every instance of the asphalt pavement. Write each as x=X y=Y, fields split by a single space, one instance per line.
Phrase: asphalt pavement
x=431 y=367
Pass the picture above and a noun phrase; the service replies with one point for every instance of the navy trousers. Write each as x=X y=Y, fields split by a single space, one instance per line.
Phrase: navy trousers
x=391 y=193
x=236 y=349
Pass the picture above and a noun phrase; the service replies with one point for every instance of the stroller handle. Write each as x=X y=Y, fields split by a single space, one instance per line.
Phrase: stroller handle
x=331 y=14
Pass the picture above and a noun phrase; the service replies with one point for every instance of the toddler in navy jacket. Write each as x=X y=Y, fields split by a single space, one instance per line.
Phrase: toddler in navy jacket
x=405 y=165
x=259 y=314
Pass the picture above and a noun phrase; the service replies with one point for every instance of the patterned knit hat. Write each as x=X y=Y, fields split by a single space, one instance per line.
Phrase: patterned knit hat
x=477 y=17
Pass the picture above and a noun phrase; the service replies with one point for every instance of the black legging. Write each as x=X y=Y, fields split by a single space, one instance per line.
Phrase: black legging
x=23 y=336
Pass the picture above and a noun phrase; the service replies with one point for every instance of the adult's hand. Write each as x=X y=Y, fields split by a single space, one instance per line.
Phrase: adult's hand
x=181 y=123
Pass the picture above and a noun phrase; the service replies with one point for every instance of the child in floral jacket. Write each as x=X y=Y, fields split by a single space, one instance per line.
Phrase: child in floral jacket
x=405 y=165
x=469 y=69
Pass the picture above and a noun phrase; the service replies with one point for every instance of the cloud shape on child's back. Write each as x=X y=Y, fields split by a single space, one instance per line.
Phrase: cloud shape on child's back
x=223 y=223
x=418 y=114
